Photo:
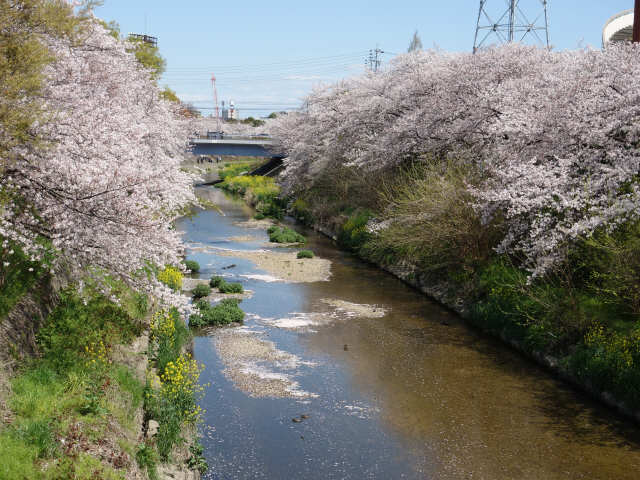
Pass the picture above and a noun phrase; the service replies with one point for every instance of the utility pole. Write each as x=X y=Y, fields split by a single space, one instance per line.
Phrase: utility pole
x=636 y=22
x=374 y=60
x=514 y=24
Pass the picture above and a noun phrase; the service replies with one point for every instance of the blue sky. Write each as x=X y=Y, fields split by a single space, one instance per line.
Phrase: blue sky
x=267 y=55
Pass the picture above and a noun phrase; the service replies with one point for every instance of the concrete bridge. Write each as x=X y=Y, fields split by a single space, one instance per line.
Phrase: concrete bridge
x=234 y=145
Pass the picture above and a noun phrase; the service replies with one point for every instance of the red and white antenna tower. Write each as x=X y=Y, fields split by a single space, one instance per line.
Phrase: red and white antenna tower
x=215 y=101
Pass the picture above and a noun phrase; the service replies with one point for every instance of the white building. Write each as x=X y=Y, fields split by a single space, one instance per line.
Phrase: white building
x=618 y=28
x=229 y=113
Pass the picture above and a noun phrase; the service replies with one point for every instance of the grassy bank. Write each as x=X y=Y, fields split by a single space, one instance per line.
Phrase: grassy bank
x=79 y=408
x=71 y=411
x=262 y=193
x=584 y=313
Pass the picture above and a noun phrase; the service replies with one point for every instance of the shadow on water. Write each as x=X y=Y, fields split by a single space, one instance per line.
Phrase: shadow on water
x=414 y=394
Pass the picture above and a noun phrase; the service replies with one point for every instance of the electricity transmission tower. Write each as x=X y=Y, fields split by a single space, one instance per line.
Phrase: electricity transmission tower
x=512 y=24
x=374 y=61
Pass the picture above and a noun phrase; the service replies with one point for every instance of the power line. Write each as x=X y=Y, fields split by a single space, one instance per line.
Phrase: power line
x=293 y=69
x=279 y=64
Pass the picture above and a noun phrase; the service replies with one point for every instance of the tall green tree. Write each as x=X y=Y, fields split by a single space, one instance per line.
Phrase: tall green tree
x=149 y=56
x=23 y=56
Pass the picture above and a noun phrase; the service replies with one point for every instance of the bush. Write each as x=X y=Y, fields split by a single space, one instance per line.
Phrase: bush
x=225 y=312
x=428 y=219
x=301 y=211
x=171 y=277
x=272 y=207
x=174 y=403
x=607 y=264
x=18 y=277
x=353 y=233
x=305 y=254
x=611 y=361
x=547 y=314
x=224 y=287
x=284 y=235
x=231 y=288
x=192 y=265
x=201 y=291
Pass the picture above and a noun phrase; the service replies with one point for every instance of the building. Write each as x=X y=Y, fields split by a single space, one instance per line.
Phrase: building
x=618 y=28
x=229 y=113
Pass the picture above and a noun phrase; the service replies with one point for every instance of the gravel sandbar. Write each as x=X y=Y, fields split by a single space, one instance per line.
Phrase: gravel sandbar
x=285 y=265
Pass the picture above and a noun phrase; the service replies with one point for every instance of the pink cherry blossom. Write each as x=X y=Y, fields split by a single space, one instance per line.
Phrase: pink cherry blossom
x=105 y=186
x=556 y=133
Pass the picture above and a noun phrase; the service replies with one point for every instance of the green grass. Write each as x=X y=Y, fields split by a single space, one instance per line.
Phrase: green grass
x=223 y=313
x=147 y=458
x=305 y=254
x=81 y=467
x=64 y=389
x=17 y=457
x=284 y=235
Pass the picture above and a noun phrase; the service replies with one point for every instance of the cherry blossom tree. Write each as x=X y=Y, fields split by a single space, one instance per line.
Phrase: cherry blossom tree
x=555 y=133
x=104 y=188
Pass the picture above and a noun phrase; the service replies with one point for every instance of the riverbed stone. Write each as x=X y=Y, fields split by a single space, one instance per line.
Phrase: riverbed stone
x=152 y=429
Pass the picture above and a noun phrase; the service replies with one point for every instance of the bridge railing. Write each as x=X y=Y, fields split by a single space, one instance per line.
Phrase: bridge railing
x=226 y=136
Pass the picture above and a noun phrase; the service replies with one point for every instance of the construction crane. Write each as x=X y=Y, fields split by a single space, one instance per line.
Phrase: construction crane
x=215 y=102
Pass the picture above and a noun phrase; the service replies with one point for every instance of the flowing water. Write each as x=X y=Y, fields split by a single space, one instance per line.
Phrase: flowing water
x=361 y=377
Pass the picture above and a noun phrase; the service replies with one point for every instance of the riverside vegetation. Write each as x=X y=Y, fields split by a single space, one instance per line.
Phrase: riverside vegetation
x=83 y=238
x=77 y=409
x=585 y=312
x=520 y=210
x=260 y=192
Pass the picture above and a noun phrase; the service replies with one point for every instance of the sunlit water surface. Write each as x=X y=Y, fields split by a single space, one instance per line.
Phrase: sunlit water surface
x=411 y=394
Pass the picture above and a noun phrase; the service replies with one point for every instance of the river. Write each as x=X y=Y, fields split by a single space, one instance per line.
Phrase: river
x=361 y=377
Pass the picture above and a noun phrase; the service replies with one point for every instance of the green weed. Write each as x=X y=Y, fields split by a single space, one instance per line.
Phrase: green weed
x=201 y=291
x=284 y=235
x=225 y=312
x=192 y=265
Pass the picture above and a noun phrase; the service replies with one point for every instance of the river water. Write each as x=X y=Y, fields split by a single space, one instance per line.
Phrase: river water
x=361 y=377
